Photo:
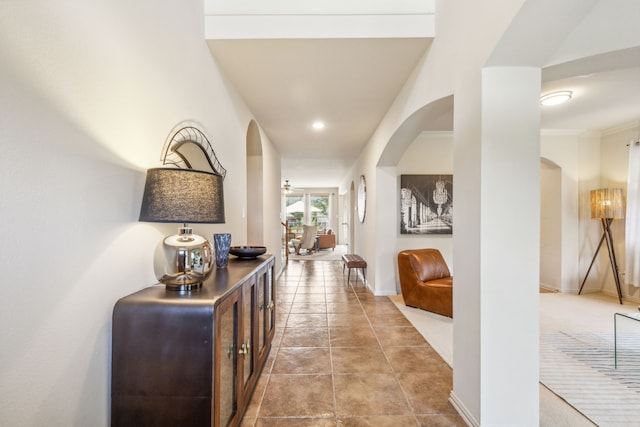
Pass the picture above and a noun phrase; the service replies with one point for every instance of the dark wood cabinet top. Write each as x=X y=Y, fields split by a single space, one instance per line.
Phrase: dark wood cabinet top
x=219 y=282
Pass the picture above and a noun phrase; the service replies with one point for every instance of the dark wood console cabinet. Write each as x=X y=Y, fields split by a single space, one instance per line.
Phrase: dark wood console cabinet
x=193 y=358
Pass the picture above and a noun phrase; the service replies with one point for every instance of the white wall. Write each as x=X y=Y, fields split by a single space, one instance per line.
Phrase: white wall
x=272 y=191
x=589 y=160
x=575 y=154
x=90 y=91
x=431 y=153
x=550 y=226
x=471 y=39
x=563 y=264
x=614 y=168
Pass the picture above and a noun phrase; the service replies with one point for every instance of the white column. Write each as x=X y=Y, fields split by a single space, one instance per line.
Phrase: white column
x=307 y=209
x=510 y=246
x=497 y=253
x=330 y=213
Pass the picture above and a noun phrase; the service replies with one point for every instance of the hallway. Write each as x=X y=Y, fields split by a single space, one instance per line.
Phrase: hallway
x=343 y=357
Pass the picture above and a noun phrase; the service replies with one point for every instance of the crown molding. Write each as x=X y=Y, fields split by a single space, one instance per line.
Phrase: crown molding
x=436 y=133
x=633 y=124
x=571 y=132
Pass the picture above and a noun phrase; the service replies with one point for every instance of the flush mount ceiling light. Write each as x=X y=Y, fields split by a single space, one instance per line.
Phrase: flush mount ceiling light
x=318 y=125
x=555 y=98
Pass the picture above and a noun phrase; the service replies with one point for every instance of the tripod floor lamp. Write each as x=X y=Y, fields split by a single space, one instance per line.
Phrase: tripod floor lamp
x=607 y=204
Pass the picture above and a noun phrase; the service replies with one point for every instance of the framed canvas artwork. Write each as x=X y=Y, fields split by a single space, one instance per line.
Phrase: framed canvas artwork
x=426 y=204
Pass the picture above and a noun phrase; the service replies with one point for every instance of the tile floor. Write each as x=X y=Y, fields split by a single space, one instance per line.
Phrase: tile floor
x=343 y=357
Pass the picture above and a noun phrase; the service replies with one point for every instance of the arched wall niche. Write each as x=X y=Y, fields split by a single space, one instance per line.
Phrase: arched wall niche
x=255 y=183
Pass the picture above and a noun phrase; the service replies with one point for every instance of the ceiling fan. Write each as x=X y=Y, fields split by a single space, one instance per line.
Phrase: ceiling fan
x=289 y=189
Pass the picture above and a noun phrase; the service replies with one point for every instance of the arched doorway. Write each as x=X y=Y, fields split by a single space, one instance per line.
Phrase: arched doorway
x=550 y=225
x=350 y=216
x=254 y=214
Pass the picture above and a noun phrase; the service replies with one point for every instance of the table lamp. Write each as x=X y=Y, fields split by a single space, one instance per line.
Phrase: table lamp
x=184 y=196
x=607 y=204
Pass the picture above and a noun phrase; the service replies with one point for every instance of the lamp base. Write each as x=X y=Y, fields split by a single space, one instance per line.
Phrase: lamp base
x=182 y=282
x=608 y=237
x=183 y=261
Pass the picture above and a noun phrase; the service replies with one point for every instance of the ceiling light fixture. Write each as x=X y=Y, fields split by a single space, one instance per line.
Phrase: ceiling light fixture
x=286 y=187
x=318 y=125
x=555 y=98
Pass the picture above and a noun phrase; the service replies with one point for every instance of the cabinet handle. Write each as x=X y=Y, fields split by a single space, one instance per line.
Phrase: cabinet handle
x=229 y=351
x=244 y=350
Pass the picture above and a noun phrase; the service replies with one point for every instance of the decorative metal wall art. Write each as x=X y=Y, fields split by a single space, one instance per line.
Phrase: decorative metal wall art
x=187 y=147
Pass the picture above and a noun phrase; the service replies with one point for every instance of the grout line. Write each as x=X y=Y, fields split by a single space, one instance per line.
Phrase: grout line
x=330 y=279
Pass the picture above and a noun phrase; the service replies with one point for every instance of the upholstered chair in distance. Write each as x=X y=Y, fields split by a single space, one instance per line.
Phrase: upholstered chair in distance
x=308 y=240
x=425 y=280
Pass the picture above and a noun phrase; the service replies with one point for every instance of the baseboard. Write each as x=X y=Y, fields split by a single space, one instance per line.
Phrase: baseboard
x=545 y=287
x=628 y=298
x=462 y=410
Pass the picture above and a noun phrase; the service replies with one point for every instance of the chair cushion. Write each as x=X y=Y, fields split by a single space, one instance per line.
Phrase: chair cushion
x=428 y=265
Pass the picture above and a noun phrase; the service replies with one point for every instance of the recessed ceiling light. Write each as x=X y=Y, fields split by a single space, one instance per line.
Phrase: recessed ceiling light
x=318 y=125
x=555 y=98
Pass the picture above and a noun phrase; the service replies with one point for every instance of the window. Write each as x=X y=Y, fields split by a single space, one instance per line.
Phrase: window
x=295 y=205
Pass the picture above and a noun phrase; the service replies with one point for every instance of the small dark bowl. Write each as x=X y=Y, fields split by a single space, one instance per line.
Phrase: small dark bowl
x=247 y=252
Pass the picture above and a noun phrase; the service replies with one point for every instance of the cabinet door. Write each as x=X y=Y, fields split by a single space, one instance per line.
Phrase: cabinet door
x=266 y=303
x=262 y=309
x=227 y=354
x=271 y=302
x=248 y=338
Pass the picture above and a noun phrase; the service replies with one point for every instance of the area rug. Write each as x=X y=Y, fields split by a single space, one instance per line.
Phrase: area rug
x=321 y=255
x=579 y=367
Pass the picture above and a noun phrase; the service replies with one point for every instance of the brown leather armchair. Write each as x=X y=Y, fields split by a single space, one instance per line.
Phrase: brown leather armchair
x=425 y=280
x=327 y=240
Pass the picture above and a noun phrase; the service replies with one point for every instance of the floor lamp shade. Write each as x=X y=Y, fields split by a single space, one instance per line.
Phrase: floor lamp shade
x=184 y=196
x=607 y=203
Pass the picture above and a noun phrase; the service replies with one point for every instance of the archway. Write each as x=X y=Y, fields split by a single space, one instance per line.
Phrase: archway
x=550 y=225
x=432 y=117
x=351 y=215
x=254 y=214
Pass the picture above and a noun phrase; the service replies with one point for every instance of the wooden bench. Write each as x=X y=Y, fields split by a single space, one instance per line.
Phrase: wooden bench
x=354 y=261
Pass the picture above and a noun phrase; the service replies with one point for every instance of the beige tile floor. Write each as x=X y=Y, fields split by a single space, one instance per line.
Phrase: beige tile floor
x=343 y=357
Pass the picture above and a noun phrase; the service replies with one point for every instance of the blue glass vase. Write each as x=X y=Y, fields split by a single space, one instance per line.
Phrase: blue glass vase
x=222 y=243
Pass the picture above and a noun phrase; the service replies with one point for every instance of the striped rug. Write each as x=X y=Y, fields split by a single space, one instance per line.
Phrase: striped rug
x=579 y=367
